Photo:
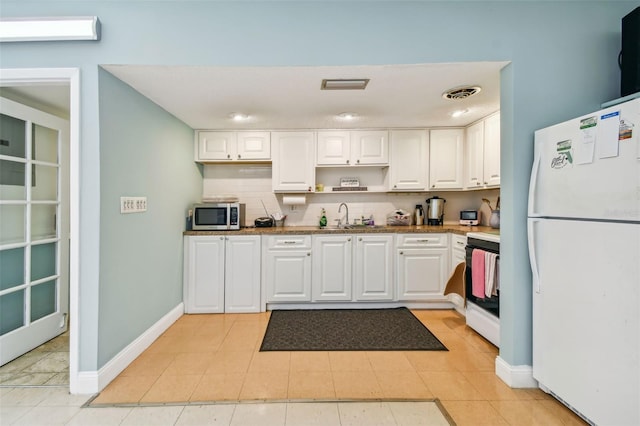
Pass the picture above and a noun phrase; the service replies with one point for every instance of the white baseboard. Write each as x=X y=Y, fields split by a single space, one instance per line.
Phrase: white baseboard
x=516 y=376
x=90 y=382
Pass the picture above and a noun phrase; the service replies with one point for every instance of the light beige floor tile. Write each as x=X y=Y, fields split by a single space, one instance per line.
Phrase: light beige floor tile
x=310 y=361
x=259 y=414
x=312 y=414
x=389 y=361
x=561 y=412
x=25 y=396
x=125 y=389
x=149 y=416
x=171 y=389
x=47 y=416
x=58 y=379
x=189 y=363
x=229 y=362
x=349 y=361
x=52 y=362
x=398 y=384
x=311 y=385
x=265 y=385
x=450 y=386
x=473 y=361
x=356 y=385
x=474 y=413
x=8 y=415
x=365 y=413
x=218 y=387
x=491 y=387
x=99 y=416
x=270 y=361
x=206 y=415
x=432 y=361
x=21 y=378
x=60 y=397
x=22 y=362
x=417 y=414
x=149 y=364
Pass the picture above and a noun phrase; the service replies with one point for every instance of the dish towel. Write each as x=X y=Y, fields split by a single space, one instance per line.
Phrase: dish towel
x=477 y=273
x=490 y=261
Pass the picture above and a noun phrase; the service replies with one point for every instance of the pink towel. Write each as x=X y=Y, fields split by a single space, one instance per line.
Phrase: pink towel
x=477 y=273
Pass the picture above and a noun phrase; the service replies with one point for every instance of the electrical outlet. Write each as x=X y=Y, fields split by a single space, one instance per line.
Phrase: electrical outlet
x=133 y=204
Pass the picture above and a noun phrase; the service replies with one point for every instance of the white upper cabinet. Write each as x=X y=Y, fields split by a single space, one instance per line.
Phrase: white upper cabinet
x=482 y=153
x=215 y=146
x=409 y=165
x=353 y=148
x=492 y=150
x=446 y=150
x=293 y=158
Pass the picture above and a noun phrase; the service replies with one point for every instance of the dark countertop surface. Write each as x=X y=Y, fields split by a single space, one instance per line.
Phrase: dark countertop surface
x=454 y=229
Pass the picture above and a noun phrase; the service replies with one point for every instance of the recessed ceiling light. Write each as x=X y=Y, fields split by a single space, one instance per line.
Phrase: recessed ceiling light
x=347 y=116
x=458 y=113
x=344 y=84
x=238 y=116
x=461 y=92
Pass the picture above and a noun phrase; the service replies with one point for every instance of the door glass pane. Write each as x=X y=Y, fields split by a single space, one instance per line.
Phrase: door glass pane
x=45 y=183
x=43 y=261
x=12 y=136
x=12 y=183
x=43 y=299
x=45 y=144
x=11 y=311
x=12 y=224
x=43 y=221
x=11 y=268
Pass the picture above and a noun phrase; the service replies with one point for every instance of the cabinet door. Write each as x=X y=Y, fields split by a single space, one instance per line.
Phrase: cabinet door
x=370 y=147
x=254 y=146
x=445 y=158
x=242 y=274
x=331 y=270
x=288 y=275
x=421 y=273
x=334 y=148
x=218 y=146
x=374 y=267
x=474 y=156
x=492 y=150
x=204 y=274
x=409 y=167
x=293 y=157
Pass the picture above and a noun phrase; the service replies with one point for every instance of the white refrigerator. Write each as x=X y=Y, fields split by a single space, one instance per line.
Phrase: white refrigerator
x=584 y=248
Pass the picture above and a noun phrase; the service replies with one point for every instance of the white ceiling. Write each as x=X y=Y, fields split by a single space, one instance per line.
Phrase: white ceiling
x=290 y=97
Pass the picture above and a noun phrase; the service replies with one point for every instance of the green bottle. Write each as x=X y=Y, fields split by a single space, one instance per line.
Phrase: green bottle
x=323 y=219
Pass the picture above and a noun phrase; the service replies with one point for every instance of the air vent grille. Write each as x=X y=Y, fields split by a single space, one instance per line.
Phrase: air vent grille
x=461 y=92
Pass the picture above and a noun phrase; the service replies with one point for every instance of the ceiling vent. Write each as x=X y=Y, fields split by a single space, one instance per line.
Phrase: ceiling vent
x=461 y=92
x=344 y=84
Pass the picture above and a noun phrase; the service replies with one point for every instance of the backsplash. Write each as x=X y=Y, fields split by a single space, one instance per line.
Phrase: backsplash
x=251 y=183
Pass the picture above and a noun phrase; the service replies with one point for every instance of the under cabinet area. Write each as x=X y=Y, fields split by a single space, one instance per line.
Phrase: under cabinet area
x=287 y=268
x=222 y=274
x=422 y=262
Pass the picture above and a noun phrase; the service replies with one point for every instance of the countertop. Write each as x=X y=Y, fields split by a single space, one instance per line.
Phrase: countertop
x=454 y=229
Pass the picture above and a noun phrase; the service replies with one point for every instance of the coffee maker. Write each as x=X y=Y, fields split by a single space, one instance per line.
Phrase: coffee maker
x=435 y=210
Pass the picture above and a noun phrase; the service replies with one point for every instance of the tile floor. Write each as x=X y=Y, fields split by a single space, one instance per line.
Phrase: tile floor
x=204 y=358
x=46 y=365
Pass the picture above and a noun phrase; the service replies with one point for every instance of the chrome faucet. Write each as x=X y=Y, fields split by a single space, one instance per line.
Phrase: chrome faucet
x=347 y=208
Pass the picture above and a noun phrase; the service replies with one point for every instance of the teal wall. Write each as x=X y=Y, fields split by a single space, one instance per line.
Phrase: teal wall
x=144 y=151
x=563 y=63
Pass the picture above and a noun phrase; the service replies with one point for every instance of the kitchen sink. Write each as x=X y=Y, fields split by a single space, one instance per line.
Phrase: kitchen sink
x=347 y=227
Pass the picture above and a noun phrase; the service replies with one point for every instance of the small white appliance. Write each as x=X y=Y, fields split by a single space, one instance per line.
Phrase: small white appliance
x=217 y=216
x=469 y=217
x=584 y=248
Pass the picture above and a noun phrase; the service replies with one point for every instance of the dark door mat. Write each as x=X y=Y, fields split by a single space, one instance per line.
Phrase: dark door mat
x=348 y=330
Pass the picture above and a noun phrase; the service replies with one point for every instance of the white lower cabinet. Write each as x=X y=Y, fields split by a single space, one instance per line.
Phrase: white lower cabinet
x=373 y=270
x=458 y=250
x=287 y=263
x=422 y=262
x=332 y=267
x=221 y=274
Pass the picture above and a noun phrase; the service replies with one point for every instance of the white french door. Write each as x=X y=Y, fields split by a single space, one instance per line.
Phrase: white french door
x=34 y=228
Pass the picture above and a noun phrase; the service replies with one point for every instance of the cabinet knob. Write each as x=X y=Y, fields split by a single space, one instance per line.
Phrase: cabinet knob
x=228 y=155
x=309 y=189
x=433 y=186
x=478 y=183
x=358 y=161
x=360 y=239
x=222 y=238
x=401 y=252
x=238 y=156
x=347 y=161
x=485 y=183
x=395 y=186
x=348 y=239
x=308 y=253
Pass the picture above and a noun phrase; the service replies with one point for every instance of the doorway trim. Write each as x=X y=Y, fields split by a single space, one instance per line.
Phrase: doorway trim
x=70 y=76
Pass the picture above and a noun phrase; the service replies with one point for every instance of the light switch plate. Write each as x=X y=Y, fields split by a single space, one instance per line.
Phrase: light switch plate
x=133 y=204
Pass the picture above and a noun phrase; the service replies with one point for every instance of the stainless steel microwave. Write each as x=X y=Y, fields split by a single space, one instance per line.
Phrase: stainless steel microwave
x=217 y=216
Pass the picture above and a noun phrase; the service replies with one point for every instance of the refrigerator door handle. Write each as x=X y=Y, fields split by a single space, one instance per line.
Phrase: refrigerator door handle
x=532 y=252
x=533 y=183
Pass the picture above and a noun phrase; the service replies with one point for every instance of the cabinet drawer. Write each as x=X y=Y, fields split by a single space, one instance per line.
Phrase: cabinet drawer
x=458 y=242
x=422 y=240
x=288 y=241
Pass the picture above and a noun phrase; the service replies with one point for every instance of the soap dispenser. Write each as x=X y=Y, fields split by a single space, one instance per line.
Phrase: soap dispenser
x=323 y=219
